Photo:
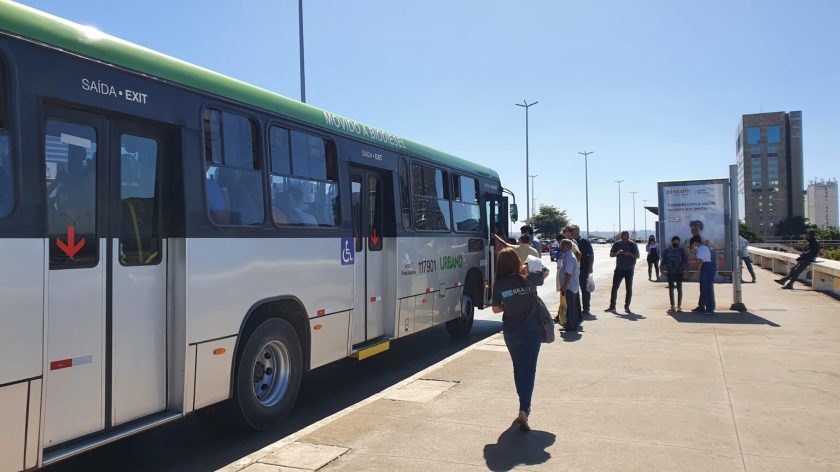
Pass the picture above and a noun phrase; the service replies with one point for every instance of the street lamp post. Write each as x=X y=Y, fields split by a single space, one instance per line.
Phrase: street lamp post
x=644 y=207
x=634 y=214
x=526 y=106
x=585 y=155
x=619 y=203
x=533 y=193
x=302 y=68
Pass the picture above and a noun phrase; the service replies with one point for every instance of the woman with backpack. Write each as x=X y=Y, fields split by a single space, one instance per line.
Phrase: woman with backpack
x=652 y=249
x=674 y=262
x=514 y=293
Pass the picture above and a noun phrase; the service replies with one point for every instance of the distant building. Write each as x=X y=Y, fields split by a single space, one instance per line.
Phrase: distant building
x=822 y=203
x=769 y=150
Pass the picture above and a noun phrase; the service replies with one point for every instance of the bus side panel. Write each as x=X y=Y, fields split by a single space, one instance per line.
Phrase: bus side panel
x=13 y=400
x=21 y=308
x=437 y=263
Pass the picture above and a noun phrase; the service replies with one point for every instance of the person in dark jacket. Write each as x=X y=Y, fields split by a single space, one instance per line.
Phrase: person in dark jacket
x=803 y=261
x=513 y=294
x=587 y=259
x=674 y=262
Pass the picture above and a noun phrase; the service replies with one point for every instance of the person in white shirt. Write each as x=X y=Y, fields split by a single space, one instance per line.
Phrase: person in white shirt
x=744 y=246
x=570 y=285
x=707 y=276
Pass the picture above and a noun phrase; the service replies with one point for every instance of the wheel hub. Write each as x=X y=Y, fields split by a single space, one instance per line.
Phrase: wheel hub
x=272 y=373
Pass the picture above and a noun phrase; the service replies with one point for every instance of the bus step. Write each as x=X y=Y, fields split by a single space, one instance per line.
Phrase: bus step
x=371 y=348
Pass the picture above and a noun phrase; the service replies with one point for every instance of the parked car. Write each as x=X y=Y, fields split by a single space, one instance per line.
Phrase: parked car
x=555 y=249
x=546 y=246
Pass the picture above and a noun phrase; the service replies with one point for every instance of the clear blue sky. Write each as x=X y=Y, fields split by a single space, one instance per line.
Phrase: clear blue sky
x=655 y=88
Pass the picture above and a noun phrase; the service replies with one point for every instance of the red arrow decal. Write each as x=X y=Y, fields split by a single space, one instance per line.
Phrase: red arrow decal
x=71 y=247
x=374 y=239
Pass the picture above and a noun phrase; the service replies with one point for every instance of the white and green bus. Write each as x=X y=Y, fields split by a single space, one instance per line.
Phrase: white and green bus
x=172 y=239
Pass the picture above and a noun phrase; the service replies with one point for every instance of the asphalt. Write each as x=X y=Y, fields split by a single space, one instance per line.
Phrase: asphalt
x=758 y=390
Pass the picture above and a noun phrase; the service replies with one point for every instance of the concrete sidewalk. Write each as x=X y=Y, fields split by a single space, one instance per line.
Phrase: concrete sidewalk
x=732 y=391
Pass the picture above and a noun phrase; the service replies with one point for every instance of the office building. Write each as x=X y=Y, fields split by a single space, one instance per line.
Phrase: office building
x=822 y=203
x=769 y=150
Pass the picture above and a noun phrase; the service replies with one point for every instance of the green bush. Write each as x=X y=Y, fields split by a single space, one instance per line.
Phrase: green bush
x=833 y=254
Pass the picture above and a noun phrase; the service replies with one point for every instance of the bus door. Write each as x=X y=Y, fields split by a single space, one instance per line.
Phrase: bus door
x=106 y=301
x=369 y=189
x=497 y=216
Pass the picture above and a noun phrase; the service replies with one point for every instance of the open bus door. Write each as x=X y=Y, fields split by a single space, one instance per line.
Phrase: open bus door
x=497 y=216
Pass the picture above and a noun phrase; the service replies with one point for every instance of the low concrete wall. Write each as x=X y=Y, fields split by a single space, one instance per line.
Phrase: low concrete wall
x=823 y=274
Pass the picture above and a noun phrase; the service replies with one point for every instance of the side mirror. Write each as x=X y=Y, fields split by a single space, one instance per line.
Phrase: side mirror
x=514 y=212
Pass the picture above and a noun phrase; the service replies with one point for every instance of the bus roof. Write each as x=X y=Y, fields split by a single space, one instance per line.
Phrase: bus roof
x=42 y=27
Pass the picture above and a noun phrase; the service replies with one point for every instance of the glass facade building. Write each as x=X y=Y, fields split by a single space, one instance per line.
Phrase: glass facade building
x=769 y=151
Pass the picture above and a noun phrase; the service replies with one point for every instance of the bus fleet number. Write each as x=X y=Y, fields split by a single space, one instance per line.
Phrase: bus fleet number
x=427 y=266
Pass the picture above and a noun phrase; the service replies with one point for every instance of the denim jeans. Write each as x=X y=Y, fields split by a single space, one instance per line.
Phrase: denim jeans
x=748 y=261
x=627 y=275
x=524 y=348
x=707 y=287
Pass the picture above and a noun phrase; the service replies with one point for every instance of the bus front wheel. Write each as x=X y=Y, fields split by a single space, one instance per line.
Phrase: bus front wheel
x=462 y=325
x=268 y=375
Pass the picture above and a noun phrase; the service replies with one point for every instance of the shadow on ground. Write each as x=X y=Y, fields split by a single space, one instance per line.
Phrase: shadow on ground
x=195 y=443
x=631 y=316
x=723 y=317
x=515 y=448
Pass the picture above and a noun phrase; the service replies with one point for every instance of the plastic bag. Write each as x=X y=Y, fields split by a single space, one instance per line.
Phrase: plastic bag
x=590 y=283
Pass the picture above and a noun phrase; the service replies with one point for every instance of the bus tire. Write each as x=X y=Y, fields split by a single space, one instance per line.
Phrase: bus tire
x=268 y=374
x=461 y=326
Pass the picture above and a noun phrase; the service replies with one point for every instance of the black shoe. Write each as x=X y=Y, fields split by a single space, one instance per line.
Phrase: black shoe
x=781 y=281
x=698 y=310
x=753 y=280
x=627 y=309
x=788 y=287
x=610 y=310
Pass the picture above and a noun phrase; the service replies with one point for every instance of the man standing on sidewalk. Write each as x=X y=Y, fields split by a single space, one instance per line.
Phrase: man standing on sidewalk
x=744 y=247
x=625 y=252
x=587 y=259
x=803 y=261
x=570 y=285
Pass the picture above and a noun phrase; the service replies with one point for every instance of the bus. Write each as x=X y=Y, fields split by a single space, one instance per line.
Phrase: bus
x=172 y=238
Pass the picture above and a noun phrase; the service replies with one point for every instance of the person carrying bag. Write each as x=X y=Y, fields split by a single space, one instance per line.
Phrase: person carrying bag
x=515 y=295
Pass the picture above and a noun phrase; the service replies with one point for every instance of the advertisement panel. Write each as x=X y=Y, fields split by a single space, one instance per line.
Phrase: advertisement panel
x=697 y=207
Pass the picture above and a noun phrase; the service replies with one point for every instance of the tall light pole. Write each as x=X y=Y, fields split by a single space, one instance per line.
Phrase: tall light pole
x=585 y=155
x=619 y=203
x=302 y=68
x=634 y=214
x=644 y=212
x=533 y=193
x=526 y=106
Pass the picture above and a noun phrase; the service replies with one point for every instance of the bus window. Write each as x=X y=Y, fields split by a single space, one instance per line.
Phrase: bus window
x=430 y=187
x=71 y=192
x=7 y=194
x=140 y=240
x=233 y=181
x=405 y=200
x=465 y=209
x=356 y=187
x=304 y=180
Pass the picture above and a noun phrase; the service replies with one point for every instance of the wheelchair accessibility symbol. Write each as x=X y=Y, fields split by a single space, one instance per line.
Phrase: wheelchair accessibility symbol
x=348 y=246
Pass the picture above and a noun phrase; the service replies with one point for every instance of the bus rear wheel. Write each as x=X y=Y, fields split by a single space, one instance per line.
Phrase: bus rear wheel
x=268 y=374
x=461 y=326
